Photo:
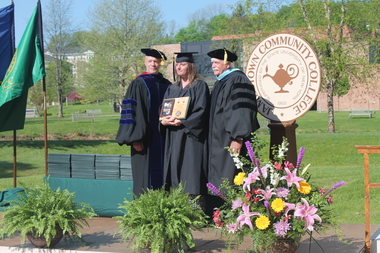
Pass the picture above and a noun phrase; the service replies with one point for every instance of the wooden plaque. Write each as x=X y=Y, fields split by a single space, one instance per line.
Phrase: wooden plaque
x=176 y=107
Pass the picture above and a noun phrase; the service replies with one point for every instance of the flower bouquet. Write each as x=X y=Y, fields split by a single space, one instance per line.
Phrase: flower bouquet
x=272 y=201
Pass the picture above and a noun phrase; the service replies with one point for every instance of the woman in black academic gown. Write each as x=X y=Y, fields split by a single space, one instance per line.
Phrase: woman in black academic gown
x=185 y=139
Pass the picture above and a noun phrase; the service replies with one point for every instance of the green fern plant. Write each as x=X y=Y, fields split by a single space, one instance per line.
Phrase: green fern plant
x=161 y=221
x=41 y=210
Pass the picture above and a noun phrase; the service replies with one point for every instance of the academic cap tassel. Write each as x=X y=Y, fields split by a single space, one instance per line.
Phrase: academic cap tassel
x=225 y=56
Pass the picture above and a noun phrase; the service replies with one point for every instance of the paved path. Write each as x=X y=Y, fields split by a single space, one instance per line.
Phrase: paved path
x=102 y=239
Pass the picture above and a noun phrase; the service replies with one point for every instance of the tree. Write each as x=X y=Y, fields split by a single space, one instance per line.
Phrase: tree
x=195 y=31
x=65 y=78
x=339 y=31
x=119 y=29
x=168 y=37
x=204 y=23
x=36 y=93
x=77 y=37
x=35 y=97
x=335 y=47
x=58 y=28
x=218 y=24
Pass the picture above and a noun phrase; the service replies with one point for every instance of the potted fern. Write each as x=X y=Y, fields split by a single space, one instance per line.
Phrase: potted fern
x=161 y=221
x=45 y=216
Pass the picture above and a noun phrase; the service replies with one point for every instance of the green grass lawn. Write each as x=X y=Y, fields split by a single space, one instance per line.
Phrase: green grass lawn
x=104 y=127
x=333 y=157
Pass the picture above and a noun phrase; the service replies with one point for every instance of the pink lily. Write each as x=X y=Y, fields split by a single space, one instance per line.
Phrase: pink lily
x=267 y=193
x=289 y=207
x=237 y=203
x=254 y=176
x=264 y=170
x=250 y=179
x=308 y=213
x=245 y=217
x=292 y=178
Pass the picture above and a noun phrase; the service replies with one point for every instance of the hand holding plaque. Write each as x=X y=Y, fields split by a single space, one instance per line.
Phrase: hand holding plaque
x=176 y=107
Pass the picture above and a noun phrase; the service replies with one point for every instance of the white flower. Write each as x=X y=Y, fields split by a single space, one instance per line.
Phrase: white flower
x=274 y=177
x=282 y=150
x=235 y=157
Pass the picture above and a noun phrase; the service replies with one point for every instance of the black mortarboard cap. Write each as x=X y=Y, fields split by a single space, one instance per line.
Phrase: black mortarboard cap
x=154 y=53
x=223 y=54
x=185 y=57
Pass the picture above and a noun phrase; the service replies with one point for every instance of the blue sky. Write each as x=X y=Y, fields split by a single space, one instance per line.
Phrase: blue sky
x=172 y=10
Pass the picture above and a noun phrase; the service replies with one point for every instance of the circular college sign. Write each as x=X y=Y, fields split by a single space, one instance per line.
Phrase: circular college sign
x=286 y=74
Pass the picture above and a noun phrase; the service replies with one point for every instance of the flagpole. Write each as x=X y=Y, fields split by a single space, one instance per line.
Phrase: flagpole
x=40 y=27
x=14 y=160
x=45 y=126
x=27 y=66
x=14 y=154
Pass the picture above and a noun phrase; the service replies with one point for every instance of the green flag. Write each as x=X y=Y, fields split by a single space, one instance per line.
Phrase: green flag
x=26 y=69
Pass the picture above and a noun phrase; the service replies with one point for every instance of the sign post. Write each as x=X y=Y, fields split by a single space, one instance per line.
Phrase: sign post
x=287 y=77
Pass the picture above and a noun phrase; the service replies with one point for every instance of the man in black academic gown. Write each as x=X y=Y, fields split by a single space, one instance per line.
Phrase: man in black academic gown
x=139 y=123
x=232 y=116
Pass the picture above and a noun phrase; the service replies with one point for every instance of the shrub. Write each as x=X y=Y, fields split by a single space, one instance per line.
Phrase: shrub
x=161 y=220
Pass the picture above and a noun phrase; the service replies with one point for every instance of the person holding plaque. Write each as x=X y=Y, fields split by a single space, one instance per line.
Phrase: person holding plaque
x=185 y=133
x=139 y=123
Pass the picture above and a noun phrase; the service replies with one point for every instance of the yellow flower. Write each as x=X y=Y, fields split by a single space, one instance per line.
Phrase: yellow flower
x=305 y=188
x=278 y=205
x=238 y=180
x=262 y=222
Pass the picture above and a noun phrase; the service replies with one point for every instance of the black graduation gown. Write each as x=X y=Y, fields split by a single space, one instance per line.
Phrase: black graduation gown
x=185 y=159
x=232 y=115
x=140 y=123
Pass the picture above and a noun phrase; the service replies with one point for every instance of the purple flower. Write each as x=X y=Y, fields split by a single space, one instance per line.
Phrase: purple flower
x=267 y=206
x=282 y=192
x=257 y=164
x=250 y=151
x=341 y=183
x=216 y=191
x=213 y=188
x=300 y=156
x=281 y=228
